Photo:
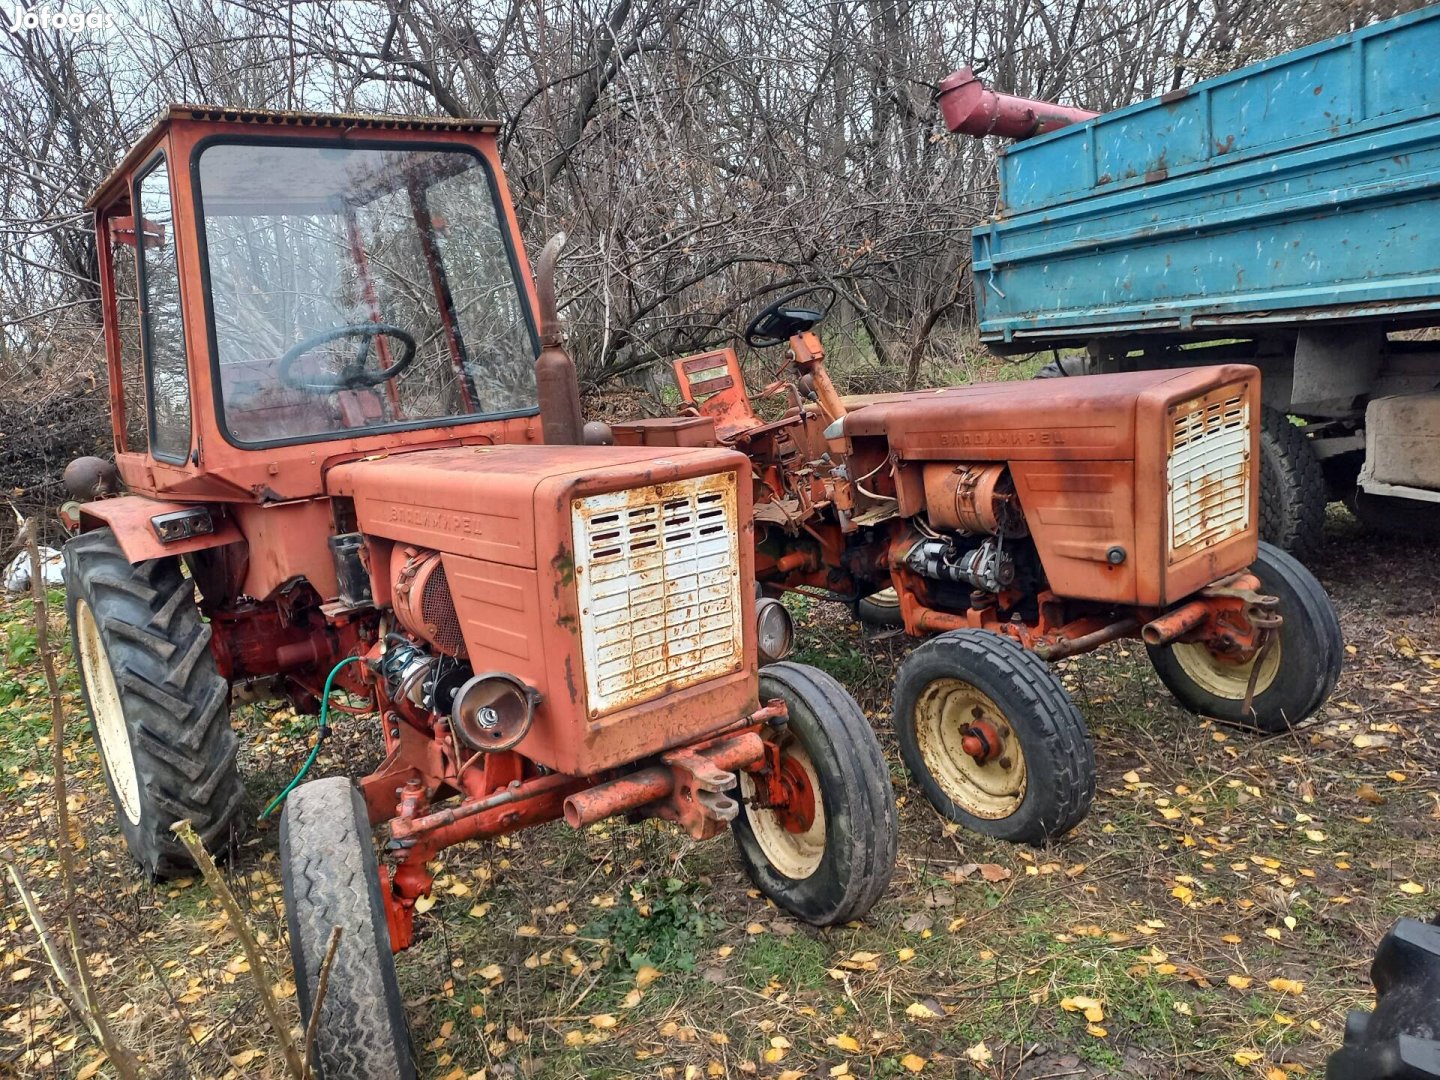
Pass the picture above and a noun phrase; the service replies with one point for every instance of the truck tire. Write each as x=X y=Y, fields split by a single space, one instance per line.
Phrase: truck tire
x=330 y=878
x=1292 y=487
x=159 y=710
x=880 y=609
x=1297 y=673
x=1401 y=1038
x=833 y=867
x=968 y=682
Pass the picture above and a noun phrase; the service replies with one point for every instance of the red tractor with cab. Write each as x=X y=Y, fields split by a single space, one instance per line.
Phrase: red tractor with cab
x=349 y=457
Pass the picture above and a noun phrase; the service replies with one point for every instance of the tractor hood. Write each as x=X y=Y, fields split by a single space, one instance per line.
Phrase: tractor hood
x=1090 y=417
x=483 y=501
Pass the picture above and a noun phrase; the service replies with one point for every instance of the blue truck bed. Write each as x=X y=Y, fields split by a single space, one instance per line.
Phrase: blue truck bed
x=1298 y=189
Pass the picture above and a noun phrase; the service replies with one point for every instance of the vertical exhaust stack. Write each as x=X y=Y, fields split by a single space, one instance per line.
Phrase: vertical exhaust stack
x=972 y=108
x=556 y=382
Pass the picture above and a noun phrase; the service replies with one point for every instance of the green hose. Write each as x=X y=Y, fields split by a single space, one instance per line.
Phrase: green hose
x=319 y=738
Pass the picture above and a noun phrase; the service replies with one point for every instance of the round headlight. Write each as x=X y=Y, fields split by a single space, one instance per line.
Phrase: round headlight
x=492 y=712
x=775 y=633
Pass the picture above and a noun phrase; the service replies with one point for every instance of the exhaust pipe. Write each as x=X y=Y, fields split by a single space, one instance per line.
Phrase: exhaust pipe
x=972 y=108
x=556 y=383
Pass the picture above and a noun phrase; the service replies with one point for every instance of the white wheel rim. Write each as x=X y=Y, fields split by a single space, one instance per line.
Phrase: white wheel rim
x=885 y=598
x=1226 y=678
x=105 y=709
x=994 y=790
x=794 y=854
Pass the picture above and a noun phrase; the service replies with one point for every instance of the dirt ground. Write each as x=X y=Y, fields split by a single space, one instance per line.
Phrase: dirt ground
x=1214 y=916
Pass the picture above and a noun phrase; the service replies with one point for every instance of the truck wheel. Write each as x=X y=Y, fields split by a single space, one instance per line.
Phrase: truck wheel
x=330 y=877
x=1292 y=486
x=828 y=857
x=1401 y=1038
x=1297 y=672
x=159 y=710
x=969 y=696
x=880 y=609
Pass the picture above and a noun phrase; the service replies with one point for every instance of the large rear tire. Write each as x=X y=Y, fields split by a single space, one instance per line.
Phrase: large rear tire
x=1292 y=487
x=330 y=877
x=1039 y=781
x=1297 y=672
x=833 y=864
x=159 y=710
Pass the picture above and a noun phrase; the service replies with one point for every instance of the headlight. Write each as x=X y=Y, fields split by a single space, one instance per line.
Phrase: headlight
x=775 y=633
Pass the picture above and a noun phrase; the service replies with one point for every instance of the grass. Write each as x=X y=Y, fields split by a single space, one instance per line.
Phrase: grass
x=629 y=950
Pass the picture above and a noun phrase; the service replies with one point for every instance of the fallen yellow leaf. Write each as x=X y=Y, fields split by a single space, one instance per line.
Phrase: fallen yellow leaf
x=914 y=1062
x=1239 y=982
x=920 y=1011
x=1286 y=986
x=604 y=1021
x=979 y=1053
x=1412 y=888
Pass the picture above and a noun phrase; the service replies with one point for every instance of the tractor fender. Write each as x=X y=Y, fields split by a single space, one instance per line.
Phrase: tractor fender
x=129 y=518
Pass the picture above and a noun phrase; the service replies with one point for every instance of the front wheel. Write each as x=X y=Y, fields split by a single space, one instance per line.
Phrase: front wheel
x=992 y=738
x=828 y=853
x=1297 y=669
x=330 y=878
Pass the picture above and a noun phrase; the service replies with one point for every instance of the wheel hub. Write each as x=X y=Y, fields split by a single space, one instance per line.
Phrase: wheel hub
x=797 y=810
x=970 y=750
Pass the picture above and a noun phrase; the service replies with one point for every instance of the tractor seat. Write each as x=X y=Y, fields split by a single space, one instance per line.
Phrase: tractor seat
x=714 y=384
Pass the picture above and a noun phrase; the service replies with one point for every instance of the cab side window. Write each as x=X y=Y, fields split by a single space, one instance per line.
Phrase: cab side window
x=162 y=329
x=127 y=323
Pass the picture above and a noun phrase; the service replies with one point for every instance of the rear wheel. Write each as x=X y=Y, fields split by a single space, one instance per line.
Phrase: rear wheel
x=159 y=709
x=331 y=878
x=1292 y=486
x=880 y=609
x=827 y=856
x=992 y=738
x=1297 y=670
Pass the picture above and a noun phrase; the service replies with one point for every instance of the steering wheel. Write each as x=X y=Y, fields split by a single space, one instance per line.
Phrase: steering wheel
x=355 y=374
x=781 y=319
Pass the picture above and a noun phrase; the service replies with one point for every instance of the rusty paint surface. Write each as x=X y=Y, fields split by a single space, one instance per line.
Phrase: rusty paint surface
x=657 y=570
x=128 y=516
x=1208 y=473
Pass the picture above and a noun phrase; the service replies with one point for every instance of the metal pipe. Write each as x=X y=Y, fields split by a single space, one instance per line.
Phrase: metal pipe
x=1172 y=624
x=972 y=108
x=556 y=383
x=655 y=782
x=1085 y=642
x=402 y=829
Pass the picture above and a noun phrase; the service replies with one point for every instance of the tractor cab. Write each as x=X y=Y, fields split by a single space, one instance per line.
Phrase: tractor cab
x=284 y=289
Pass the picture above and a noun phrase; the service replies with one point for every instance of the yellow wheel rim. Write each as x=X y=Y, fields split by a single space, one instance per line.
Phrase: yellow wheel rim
x=943 y=713
x=105 y=708
x=1224 y=678
x=796 y=855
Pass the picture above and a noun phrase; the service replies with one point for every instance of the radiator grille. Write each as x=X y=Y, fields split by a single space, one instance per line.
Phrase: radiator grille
x=1209 y=472
x=658 y=574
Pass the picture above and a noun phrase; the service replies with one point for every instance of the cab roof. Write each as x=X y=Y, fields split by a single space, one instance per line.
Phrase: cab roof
x=269 y=118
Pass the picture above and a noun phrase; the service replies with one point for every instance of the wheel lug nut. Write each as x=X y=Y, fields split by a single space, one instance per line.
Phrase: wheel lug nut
x=1004 y=761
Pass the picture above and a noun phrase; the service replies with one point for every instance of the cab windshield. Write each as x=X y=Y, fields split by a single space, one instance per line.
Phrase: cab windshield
x=355 y=289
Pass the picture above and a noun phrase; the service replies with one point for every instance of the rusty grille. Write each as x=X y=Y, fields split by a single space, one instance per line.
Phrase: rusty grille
x=658 y=574
x=437 y=608
x=1209 y=472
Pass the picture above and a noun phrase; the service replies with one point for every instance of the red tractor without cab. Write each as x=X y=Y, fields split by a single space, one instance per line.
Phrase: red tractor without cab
x=1015 y=523
x=330 y=421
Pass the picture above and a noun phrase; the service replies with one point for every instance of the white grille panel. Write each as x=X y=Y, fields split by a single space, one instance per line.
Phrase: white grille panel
x=658 y=574
x=1209 y=472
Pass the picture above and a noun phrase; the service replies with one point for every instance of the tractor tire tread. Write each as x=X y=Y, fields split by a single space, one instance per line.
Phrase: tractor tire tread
x=177 y=716
x=330 y=878
x=1068 y=762
x=1292 y=486
x=869 y=822
x=1400 y=1039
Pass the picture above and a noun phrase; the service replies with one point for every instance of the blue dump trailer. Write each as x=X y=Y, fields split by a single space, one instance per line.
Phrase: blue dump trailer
x=1284 y=214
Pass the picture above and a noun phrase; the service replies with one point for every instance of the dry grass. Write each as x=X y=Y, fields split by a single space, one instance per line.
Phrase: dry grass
x=1284 y=862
